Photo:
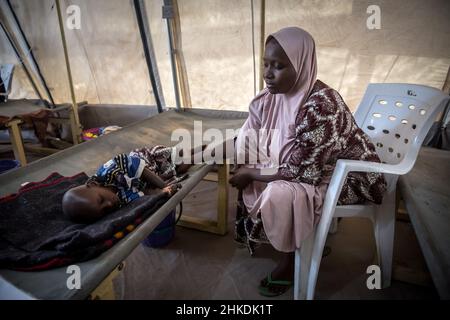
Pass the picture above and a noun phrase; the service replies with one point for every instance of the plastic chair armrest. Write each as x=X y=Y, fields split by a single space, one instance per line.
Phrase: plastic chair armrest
x=367 y=166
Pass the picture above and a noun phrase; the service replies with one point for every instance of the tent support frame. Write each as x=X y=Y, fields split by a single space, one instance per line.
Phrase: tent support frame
x=147 y=44
x=16 y=37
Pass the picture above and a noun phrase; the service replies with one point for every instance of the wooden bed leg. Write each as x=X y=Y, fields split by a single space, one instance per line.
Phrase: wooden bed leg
x=400 y=211
x=105 y=291
x=74 y=127
x=16 y=141
x=218 y=226
x=75 y=121
x=222 y=200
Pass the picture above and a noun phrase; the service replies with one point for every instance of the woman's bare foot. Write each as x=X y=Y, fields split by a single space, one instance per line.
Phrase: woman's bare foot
x=280 y=279
x=284 y=270
x=282 y=276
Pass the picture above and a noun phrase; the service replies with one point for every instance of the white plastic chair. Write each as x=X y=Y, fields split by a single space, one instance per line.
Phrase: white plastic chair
x=397 y=118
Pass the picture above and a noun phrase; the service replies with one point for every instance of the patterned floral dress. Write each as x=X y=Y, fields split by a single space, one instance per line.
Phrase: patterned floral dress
x=326 y=131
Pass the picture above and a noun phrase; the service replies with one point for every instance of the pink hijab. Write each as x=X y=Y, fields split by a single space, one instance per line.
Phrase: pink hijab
x=278 y=111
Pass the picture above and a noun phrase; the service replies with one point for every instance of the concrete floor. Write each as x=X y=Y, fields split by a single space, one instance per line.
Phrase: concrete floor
x=198 y=265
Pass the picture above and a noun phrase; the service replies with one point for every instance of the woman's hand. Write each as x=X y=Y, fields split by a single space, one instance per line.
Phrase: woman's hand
x=243 y=177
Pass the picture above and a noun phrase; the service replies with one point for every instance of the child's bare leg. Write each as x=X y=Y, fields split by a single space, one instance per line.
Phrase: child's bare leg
x=169 y=190
x=183 y=168
x=152 y=191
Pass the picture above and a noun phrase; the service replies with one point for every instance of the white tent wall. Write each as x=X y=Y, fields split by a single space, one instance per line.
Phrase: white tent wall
x=106 y=55
x=217 y=46
x=21 y=86
x=39 y=23
x=217 y=49
x=413 y=45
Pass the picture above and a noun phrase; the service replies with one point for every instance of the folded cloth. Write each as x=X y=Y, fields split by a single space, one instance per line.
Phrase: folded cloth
x=35 y=235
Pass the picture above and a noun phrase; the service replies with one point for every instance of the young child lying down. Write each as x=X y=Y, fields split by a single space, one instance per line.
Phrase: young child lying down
x=123 y=179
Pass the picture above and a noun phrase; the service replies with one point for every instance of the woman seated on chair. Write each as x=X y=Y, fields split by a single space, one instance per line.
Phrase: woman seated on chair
x=308 y=127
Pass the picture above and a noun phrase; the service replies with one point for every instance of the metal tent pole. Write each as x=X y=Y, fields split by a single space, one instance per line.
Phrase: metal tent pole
x=144 y=30
x=16 y=37
x=17 y=53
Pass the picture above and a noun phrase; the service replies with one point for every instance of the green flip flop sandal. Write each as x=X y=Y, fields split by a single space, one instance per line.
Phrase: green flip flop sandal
x=273 y=288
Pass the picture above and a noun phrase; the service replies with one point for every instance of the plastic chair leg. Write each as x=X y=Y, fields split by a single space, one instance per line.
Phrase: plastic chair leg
x=333 y=226
x=302 y=266
x=384 y=236
x=320 y=238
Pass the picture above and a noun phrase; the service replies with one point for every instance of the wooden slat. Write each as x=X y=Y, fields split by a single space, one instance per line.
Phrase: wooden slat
x=59 y=120
x=105 y=291
x=16 y=140
x=199 y=224
x=212 y=176
x=40 y=150
x=179 y=58
x=219 y=226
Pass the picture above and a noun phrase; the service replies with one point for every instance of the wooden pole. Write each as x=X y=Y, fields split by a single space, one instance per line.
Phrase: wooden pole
x=261 y=44
x=16 y=141
x=75 y=123
x=168 y=14
x=179 y=58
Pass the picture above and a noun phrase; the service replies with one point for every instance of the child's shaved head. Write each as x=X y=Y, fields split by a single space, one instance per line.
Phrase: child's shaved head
x=88 y=203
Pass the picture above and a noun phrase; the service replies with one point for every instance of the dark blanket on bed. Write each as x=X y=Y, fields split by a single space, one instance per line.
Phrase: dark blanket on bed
x=35 y=235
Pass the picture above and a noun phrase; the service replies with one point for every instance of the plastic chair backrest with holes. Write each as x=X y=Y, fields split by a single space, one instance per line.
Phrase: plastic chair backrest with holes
x=397 y=117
